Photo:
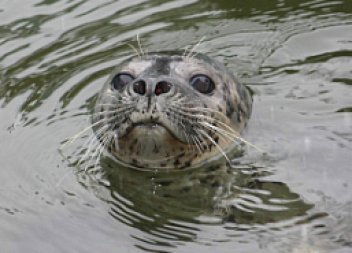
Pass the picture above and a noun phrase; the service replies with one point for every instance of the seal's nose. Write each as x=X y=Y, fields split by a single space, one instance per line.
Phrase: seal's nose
x=162 y=87
x=140 y=87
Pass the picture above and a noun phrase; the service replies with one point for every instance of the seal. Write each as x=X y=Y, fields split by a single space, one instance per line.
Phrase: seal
x=170 y=111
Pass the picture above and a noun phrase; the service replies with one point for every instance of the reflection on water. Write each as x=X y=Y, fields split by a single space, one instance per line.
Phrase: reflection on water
x=294 y=55
x=217 y=191
x=167 y=206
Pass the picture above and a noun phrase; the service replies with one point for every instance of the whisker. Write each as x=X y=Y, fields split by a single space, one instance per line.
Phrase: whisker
x=188 y=138
x=114 y=111
x=232 y=134
x=75 y=137
x=198 y=109
x=96 y=151
x=90 y=143
x=140 y=45
x=185 y=51
x=101 y=105
x=134 y=49
x=103 y=147
x=194 y=47
x=116 y=142
x=195 y=117
x=226 y=137
x=197 y=144
x=202 y=142
x=120 y=99
x=215 y=144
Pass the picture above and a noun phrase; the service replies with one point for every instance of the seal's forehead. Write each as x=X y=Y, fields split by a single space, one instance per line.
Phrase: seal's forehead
x=155 y=64
x=137 y=66
x=161 y=65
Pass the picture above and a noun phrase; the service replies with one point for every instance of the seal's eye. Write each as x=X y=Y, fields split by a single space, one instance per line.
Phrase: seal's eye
x=202 y=83
x=121 y=80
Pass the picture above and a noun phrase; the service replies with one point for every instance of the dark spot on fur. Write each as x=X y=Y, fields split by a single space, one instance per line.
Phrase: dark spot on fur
x=161 y=66
x=216 y=139
x=180 y=155
x=229 y=108
x=238 y=116
x=177 y=162
x=156 y=149
x=124 y=120
x=134 y=142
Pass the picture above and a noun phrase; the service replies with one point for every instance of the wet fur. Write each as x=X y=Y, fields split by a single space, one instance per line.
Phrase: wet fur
x=198 y=126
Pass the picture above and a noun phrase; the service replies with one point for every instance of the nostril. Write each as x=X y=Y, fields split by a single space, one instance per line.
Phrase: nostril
x=139 y=87
x=162 y=87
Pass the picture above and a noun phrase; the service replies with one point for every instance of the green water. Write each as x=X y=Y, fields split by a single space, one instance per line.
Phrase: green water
x=296 y=57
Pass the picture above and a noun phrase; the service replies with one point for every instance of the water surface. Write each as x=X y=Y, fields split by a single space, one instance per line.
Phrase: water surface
x=296 y=57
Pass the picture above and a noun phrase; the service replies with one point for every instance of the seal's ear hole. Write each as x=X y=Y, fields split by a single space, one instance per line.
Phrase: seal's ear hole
x=202 y=83
x=121 y=80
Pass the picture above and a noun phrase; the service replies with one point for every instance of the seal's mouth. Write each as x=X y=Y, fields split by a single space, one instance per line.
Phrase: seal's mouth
x=148 y=124
x=153 y=128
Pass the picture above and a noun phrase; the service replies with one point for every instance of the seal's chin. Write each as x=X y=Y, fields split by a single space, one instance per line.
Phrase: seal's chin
x=149 y=140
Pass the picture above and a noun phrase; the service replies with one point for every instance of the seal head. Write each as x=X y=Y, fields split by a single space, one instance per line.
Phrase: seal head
x=168 y=111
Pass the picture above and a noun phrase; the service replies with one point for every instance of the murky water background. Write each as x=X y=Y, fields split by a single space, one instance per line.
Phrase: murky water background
x=296 y=56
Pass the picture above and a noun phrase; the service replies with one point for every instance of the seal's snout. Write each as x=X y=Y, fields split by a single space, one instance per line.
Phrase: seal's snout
x=144 y=88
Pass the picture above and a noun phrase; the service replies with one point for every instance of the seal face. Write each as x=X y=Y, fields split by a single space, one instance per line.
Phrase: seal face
x=168 y=111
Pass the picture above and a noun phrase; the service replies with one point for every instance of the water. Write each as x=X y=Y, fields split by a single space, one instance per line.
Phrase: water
x=294 y=55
